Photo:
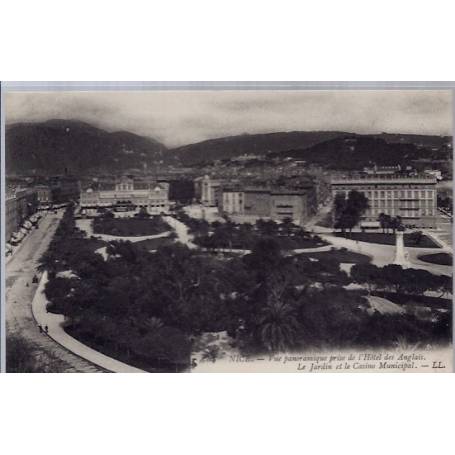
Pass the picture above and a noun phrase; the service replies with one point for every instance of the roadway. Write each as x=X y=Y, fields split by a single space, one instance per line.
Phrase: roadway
x=19 y=294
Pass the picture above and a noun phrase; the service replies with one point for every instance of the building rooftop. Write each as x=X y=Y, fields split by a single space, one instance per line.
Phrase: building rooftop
x=383 y=179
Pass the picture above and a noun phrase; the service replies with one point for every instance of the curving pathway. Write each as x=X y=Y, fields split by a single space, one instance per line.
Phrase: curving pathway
x=382 y=255
x=181 y=229
x=19 y=293
x=55 y=324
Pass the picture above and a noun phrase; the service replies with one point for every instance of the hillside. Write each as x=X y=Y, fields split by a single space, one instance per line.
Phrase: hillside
x=50 y=147
x=232 y=146
x=356 y=151
x=299 y=141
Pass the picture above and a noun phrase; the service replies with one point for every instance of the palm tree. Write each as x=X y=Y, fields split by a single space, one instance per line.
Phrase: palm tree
x=277 y=322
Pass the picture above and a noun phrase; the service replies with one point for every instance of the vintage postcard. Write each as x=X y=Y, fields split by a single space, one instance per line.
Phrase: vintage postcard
x=209 y=230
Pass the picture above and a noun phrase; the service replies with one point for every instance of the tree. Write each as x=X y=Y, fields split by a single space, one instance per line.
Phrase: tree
x=339 y=206
x=267 y=227
x=349 y=211
x=368 y=274
x=277 y=324
x=396 y=223
x=265 y=257
x=382 y=221
x=392 y=275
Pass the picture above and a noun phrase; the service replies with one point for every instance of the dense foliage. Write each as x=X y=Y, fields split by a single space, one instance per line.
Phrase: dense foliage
x=245 y=236
x=147 y=309
x=348 y=210
x=394 y=278
x=23 y=357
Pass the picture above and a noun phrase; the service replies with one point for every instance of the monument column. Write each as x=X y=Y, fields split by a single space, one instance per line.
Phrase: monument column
x=401 y=256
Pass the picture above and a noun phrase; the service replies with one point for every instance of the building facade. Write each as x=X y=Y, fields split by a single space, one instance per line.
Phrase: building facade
x=127 y=193
x=233 y=201
x=20 y=205
x=413 y=198
x=208 y=190
x=271 y=203
x=291 y=204
x=58 y=190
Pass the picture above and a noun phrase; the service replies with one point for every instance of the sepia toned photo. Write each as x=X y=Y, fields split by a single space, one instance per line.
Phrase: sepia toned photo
x=205 y=230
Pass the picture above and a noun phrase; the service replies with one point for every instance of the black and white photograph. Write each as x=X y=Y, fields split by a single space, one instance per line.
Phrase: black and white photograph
x=228 y=230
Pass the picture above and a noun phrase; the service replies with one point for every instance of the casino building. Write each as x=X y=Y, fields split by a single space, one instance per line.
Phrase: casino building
x=412 y=197
x=125 y=193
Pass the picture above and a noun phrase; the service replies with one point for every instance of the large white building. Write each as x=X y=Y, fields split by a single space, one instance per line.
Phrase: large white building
x=126 y=193
x=413 y=198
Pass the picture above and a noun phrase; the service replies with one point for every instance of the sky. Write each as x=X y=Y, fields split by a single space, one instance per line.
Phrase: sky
x=183 y=117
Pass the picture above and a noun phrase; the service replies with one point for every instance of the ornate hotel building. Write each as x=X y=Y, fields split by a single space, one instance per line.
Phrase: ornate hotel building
x=412 y=197
x=125 y=193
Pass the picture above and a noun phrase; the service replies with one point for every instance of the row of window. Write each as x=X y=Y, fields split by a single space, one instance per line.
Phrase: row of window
x=396 y=194
x=397 y=202
x=403 y=212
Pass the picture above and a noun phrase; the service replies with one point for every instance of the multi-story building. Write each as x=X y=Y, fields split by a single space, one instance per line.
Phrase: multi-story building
x=20 y=205
x=57 y=190
x=233 y=201
x=412 y=197
x=276 y=203
x=288 y=203
x=126 y=193
x=11 y=222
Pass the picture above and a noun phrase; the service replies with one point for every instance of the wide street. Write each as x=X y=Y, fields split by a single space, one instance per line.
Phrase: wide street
x=20 y=269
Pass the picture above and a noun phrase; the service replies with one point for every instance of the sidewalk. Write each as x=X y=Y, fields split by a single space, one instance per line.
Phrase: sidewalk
x=55 y=323
x=181 y=230
x=17 y=248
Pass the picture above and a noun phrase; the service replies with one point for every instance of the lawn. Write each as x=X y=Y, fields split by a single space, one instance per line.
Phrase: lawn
x=296 y=242
x=340 y=255
x=130 y=227
x=437 y=258
x=389 y=239
x=154 y=244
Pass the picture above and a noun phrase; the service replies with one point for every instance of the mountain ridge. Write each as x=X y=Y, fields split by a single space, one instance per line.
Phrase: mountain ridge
x=52 y=146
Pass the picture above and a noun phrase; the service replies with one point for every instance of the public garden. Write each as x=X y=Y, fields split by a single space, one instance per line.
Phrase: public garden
x=151 y=309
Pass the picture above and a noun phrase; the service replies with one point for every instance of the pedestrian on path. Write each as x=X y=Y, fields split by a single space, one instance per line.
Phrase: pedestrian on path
x=46 y=328
x=40 y=329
